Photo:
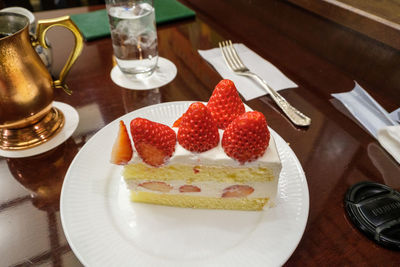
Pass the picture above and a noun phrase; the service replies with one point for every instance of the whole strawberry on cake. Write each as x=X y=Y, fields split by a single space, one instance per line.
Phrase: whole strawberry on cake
x=215 y=156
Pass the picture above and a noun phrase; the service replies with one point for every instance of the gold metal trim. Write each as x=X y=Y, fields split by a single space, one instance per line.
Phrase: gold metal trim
x=65 y=21
x=28 y=120
x=33 y=135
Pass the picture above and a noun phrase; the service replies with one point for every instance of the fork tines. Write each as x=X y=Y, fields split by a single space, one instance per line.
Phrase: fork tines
x=231 y=57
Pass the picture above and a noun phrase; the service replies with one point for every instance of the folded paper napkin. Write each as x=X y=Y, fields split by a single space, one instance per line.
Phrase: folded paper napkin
x=377 y=121
x=389 y=138
x=248 y=88
x=95 y=24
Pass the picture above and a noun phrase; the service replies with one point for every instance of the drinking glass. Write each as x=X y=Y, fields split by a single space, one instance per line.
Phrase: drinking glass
x=134 y=36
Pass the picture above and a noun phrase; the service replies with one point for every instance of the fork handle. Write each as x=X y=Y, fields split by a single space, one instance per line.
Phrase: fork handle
x=295 y=116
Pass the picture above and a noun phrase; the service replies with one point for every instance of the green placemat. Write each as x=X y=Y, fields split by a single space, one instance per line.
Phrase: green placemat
x=95 y=25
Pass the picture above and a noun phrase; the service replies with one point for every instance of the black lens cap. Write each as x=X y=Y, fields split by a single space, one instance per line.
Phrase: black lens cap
x=375 y=210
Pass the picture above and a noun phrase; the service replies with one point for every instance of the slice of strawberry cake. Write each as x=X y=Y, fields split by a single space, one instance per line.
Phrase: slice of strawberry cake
x=215 y=157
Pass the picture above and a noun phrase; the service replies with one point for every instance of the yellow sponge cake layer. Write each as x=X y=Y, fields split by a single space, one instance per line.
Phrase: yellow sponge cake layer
x=199 y=202
x=192 y=174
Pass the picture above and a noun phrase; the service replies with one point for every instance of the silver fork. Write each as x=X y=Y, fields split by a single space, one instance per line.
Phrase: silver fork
x=236 y=65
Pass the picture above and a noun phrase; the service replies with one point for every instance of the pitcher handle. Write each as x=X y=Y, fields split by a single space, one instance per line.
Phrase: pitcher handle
x=65 y=21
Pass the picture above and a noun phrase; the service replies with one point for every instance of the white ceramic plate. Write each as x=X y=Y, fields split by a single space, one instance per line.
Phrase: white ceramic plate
x=104 y=228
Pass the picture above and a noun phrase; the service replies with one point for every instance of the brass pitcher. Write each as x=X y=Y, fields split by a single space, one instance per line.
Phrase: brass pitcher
x=27 y=117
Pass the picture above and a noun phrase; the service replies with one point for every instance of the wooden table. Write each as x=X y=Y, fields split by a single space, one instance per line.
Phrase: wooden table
x=318 y=55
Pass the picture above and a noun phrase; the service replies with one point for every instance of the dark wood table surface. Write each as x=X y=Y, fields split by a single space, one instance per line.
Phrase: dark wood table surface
x=320 y=56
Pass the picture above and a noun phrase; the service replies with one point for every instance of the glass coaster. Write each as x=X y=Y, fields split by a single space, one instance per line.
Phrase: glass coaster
x=164 y=73
x=375 y=210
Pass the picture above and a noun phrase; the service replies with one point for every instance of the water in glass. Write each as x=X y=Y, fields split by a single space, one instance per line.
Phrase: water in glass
x=134 y=38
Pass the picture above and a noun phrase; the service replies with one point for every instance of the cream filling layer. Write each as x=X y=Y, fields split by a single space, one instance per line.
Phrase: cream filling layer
x=212 y=189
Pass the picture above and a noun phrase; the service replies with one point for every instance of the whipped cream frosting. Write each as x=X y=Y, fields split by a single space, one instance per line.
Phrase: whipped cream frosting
x=217 y=156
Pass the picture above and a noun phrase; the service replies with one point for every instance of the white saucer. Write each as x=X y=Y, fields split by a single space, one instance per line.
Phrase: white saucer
x=164 y=73
x=71 y=122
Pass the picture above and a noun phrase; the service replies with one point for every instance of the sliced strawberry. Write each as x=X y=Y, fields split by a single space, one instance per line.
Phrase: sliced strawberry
x=189 y=188
x=247 y=137
x=157 y=186
x=237 y=191
x=225 y=104
x=198 y=131
x=122 y=149
x=154 y=142
x=177 y=123
x=196 y=169
x=151 y=154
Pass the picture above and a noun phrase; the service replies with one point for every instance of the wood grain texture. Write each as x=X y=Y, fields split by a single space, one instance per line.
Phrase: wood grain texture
x=376 y=19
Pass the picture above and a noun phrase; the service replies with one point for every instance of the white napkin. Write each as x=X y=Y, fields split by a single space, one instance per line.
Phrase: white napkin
x=248 y=88
x=376 y=120
x=395 y=115
x=365 y=109
x=389 y=138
